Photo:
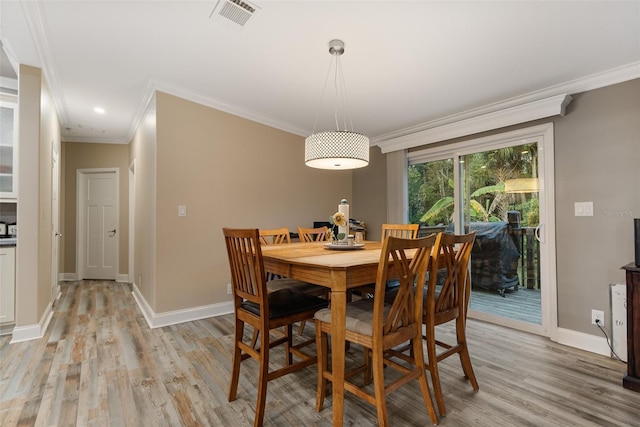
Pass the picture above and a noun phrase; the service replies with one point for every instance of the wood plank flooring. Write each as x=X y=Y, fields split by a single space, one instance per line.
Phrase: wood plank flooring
x=99 y=364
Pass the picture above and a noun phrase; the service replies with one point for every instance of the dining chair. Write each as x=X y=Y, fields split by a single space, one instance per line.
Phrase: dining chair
x=379 y=327
x=446 y=299
x=405 y=231
x=279 y=236
x=264 y=311
x=275 y=282
x=320 y=234
x=275 y=236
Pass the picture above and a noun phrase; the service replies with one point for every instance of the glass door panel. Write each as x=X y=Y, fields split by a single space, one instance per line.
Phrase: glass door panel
x=500 y=202
x=431 y=195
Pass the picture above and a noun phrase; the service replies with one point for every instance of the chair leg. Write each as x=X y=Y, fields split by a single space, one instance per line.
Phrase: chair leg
x=416 y=349
x=432 y=357
x=237 y=358
x=367 y=366
x=301 y=328
x=288 y=344
x=378 y=387
x=465 y=359
x=323 y=356
x=263 y=379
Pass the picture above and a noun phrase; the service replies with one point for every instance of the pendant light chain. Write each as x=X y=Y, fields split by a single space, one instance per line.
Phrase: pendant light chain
x=324 y=89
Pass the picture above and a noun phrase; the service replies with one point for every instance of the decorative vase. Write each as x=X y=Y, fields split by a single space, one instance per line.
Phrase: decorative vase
x=343 y=208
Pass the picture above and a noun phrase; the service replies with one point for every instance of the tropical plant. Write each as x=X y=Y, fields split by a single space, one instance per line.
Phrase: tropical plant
x=431 y=187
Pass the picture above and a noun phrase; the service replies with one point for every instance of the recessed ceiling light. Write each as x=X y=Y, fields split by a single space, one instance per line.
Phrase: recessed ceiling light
x=99 y=110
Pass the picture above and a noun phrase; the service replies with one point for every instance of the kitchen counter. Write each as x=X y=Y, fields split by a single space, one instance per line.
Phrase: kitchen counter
x=8 y=241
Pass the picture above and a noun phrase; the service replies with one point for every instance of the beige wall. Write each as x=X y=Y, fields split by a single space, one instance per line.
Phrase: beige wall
x=229 y=172
x=87 y=156
x=370 y=194
x=39 y=136
x=597 y=149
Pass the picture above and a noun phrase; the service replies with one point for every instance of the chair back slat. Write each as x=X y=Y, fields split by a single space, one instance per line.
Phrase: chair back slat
x=408 y=260
x=320 y=234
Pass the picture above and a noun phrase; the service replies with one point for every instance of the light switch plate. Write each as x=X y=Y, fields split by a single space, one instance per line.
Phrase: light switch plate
x=182 y=210
x=583 y=208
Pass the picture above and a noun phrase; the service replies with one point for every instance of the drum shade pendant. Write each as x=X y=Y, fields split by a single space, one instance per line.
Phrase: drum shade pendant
x=339 y=149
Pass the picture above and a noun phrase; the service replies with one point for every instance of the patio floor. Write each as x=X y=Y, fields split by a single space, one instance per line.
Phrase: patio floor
x=523 y=304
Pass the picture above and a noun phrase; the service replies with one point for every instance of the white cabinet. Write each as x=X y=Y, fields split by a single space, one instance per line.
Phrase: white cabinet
x=8 y=148
x=7 y=283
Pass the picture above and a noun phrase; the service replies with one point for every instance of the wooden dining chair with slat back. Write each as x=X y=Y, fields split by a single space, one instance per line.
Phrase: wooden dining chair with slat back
x=275 y=282
x=379 y=327
x=320 y=234
x=446 y=299
x=403 y=231
x=275 y=236
x=279 y=236
x=264 y=311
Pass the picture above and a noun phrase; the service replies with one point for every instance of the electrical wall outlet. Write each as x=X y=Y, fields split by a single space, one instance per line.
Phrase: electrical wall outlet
x=228 y=288
x=599 y=316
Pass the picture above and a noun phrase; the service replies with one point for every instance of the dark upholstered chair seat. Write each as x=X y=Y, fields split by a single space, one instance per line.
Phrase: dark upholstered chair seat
x=286 y=302
x=297 y=286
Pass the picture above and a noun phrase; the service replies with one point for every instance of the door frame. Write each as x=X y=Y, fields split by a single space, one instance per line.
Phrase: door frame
x=81 y=230
x=55 y=222
x=132 y=219
x=543 y=135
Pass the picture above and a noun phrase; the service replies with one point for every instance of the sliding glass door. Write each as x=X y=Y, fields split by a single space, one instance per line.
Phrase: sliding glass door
x=500 y=202
x=497 y=188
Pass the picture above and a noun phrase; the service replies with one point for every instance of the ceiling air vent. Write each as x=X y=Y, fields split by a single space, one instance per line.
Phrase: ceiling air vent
x=236 y=11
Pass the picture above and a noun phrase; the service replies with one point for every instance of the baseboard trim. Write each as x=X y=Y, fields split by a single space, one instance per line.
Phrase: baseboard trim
x=583 y=341
x=158 y=320
x=33 y=332
x=72 y=277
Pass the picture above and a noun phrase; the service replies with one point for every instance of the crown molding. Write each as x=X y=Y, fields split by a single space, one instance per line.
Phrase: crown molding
x=95 y=140
x=227 y=108
x=547 y=107
x=35 y=20
x=535 y=105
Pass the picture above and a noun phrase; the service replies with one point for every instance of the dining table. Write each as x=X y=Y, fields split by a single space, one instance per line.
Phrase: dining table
x=339 y=269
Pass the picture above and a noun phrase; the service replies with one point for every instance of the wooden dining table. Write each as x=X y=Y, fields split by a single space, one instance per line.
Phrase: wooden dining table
x=338 y=270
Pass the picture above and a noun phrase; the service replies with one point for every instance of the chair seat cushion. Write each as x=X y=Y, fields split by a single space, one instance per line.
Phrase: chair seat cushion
x=286 y=302
x=359 y=316
x=296 y=285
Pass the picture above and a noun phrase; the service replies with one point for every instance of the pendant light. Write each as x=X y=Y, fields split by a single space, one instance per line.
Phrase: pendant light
x=342 y=148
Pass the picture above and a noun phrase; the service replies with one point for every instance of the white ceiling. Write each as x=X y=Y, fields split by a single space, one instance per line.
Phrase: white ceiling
x=406 y=64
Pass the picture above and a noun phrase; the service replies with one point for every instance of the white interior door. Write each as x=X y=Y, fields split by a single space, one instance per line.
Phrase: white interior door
x=55 y=223
x=98 y=224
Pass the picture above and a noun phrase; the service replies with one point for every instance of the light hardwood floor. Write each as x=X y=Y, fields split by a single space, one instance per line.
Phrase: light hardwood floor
x=99 y=364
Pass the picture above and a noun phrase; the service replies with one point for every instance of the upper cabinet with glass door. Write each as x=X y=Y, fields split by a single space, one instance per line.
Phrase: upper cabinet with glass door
x=8 y=148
